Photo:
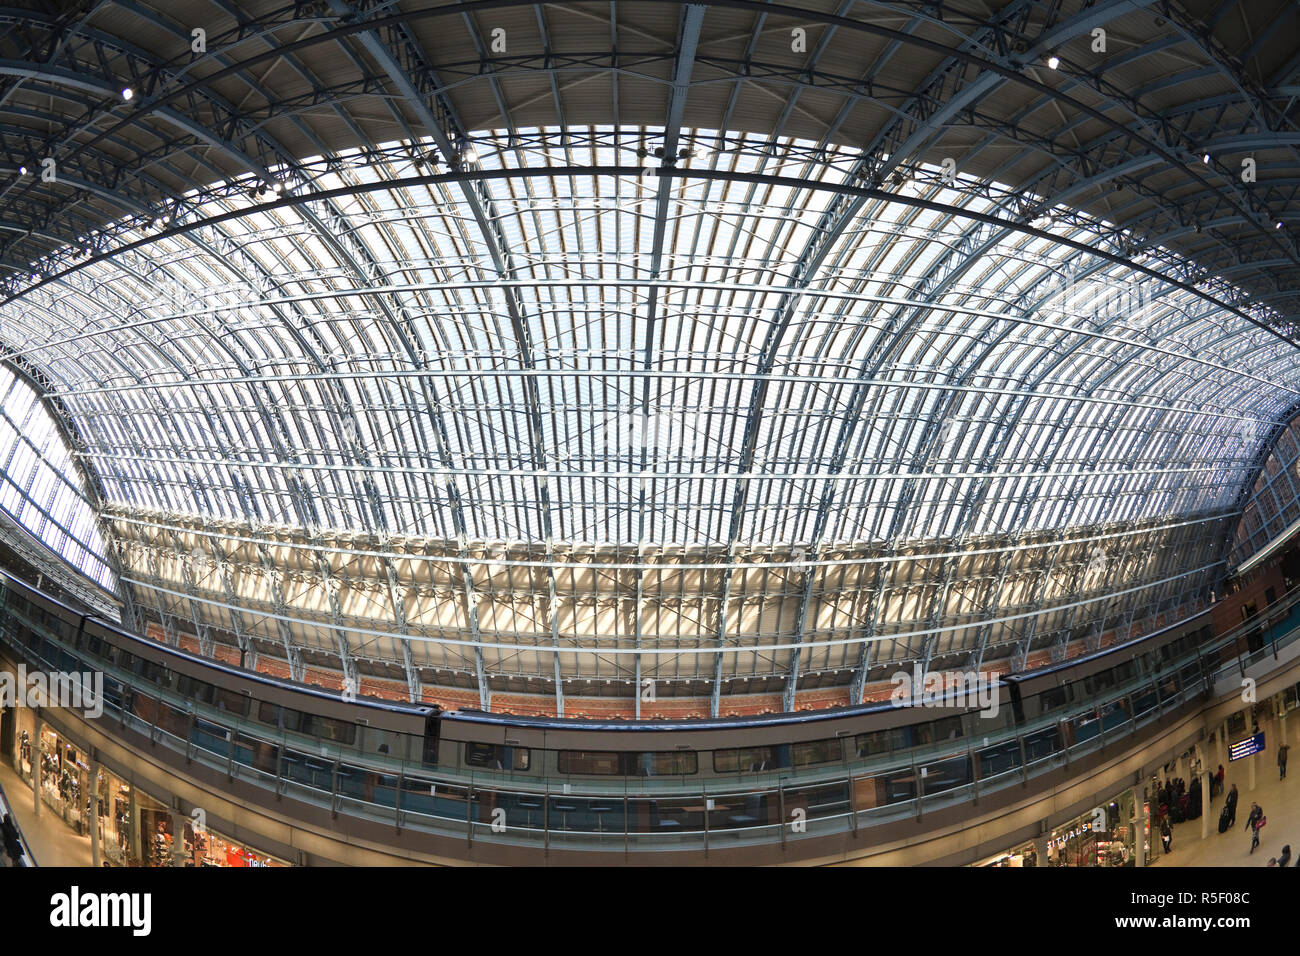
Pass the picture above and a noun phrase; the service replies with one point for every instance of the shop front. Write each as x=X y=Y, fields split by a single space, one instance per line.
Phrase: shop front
x=1104 y=836
x=1024 y=855
x=62 y=771
x=206 y=848
x=135 y=828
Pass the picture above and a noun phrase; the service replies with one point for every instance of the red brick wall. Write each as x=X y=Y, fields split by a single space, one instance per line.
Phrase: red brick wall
x=384 y=689
x=1250 y=588
x=274 y=667
x=323 y=678
x=1226 y=614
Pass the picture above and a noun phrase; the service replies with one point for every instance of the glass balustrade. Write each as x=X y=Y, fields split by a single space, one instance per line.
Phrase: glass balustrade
x=378 y=776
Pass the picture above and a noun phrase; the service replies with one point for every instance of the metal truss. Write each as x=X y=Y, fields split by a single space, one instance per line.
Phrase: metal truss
x=556 y=409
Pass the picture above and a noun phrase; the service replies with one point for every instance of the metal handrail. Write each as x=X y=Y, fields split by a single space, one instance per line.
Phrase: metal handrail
x=780 y=783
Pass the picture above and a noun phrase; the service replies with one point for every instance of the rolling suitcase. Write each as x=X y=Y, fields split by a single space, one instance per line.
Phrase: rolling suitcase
x=1223 y=821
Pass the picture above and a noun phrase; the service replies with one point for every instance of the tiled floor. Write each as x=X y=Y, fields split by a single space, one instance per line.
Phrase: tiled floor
x=1279 y=799
x=52 y=841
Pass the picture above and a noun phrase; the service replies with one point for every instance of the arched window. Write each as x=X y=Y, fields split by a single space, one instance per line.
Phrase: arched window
x=40 y=488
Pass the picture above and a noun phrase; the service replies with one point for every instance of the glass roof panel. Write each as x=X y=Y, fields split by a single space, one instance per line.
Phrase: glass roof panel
x=695 y=363
x=40 y=486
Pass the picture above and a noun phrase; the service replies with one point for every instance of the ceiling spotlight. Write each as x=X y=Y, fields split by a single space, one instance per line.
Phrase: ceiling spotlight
x=1053 y=62
x=127 y=93
x=22 y=170
x=1206 y=159
x=1278 y=225
x=469 y=154
x=276 y=187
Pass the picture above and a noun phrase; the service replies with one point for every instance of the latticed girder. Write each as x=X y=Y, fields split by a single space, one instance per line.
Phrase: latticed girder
x=1116 y=579
x=988 y=72
x=916 y=388
x=486 y=279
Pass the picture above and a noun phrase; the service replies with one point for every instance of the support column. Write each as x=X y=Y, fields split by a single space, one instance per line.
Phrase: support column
x=1040 y=848
x=1254 y=759
x=1219 y=745
x=1139 y=828
x=38 y=750
x=133 y=829
x=178 y=838
x=1205 y=801
x=94 y=814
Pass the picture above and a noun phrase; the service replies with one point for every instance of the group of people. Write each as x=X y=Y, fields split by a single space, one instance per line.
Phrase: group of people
x=1176 y=803
x=1254 y=823
x=1172 y=791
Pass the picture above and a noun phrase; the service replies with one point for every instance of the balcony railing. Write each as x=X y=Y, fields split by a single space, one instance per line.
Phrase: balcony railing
x=640 y=813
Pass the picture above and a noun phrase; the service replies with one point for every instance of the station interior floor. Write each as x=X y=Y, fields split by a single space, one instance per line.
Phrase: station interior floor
x=1278 y=798
x=54 y=843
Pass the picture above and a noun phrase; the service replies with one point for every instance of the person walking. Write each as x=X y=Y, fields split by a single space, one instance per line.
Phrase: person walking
x=1253 y=824
x=1166 y=835
x=1285 y=858
x=1231 y=806
x=1281 y=760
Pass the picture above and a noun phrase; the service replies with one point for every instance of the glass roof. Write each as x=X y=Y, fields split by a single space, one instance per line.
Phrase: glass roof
x=41 y=487
x=763 y=377
x=1273 y=506
x=256 y=372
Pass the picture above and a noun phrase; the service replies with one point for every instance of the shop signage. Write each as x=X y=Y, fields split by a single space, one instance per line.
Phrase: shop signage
x=1244 y=748
x=1076 y=831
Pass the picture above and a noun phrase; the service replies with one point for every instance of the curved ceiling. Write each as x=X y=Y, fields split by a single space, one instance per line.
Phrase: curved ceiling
x=662 y=344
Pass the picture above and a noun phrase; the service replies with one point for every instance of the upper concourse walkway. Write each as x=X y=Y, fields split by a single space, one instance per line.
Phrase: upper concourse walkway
x=1279 y=799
